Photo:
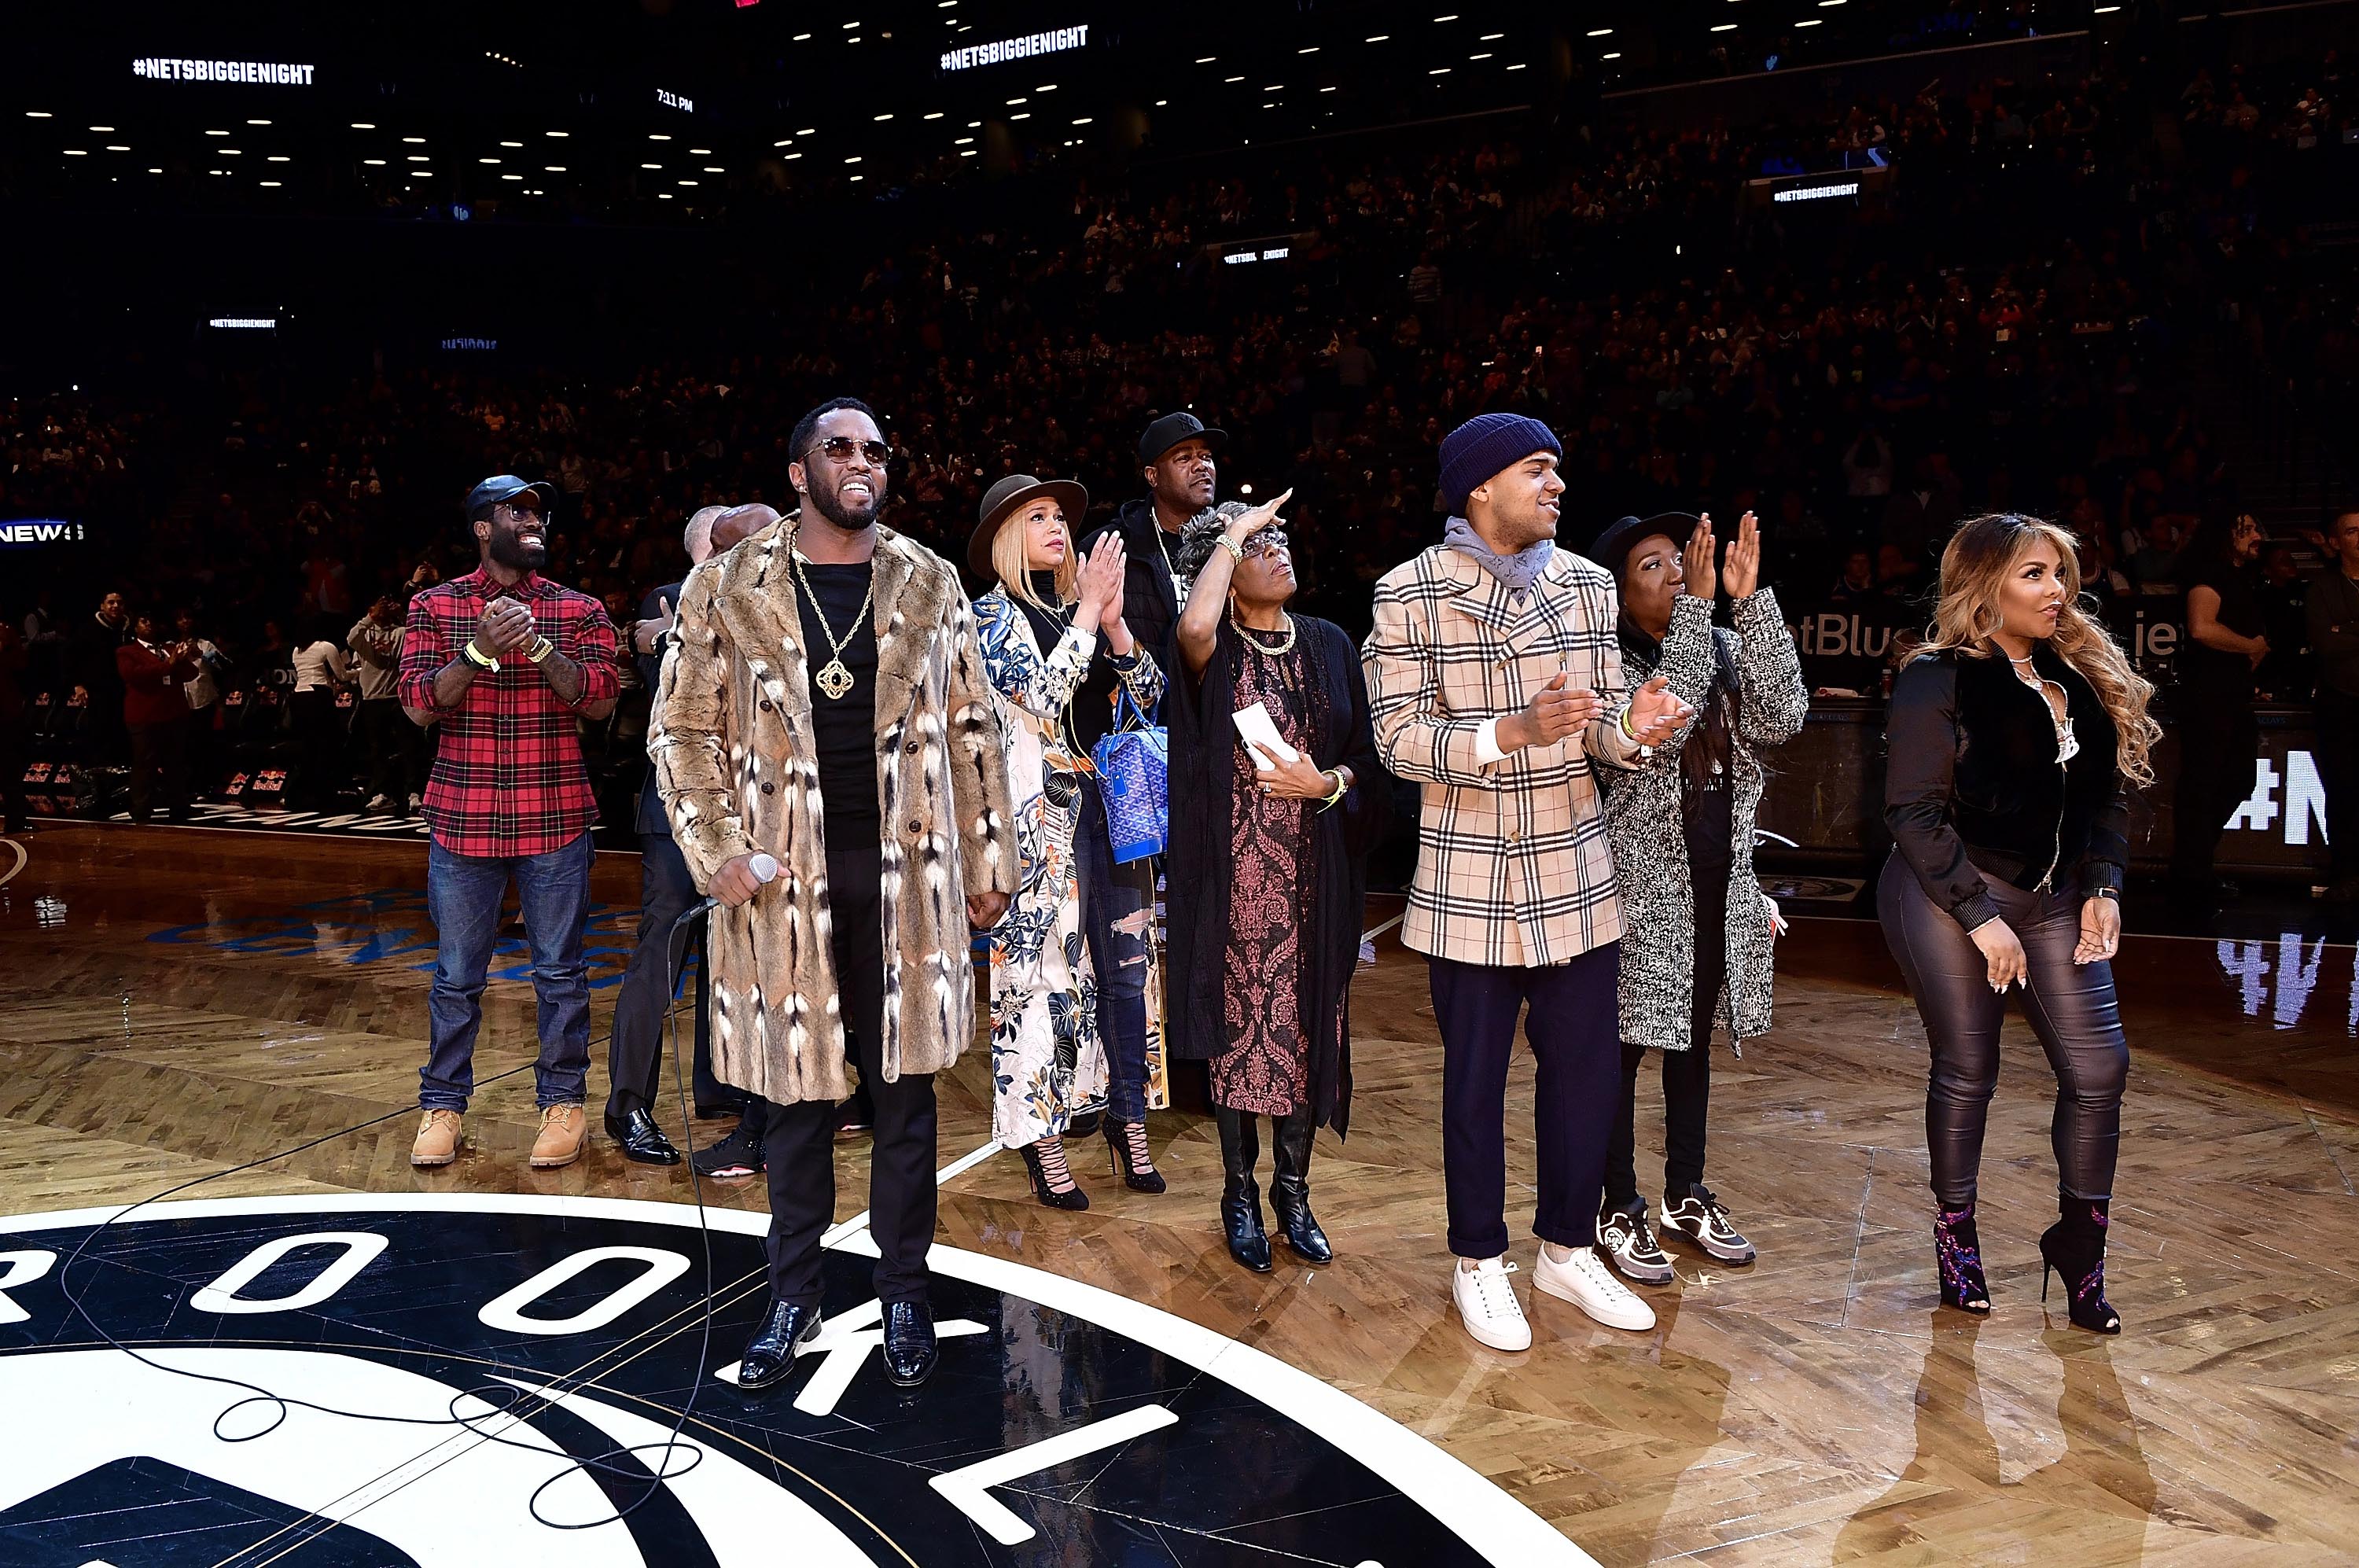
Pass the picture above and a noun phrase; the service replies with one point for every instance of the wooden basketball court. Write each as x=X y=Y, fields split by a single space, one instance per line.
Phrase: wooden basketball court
x=207 y=999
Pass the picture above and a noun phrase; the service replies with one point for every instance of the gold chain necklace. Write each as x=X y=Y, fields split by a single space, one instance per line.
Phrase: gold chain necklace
x=1253 y=634
x=832 y=680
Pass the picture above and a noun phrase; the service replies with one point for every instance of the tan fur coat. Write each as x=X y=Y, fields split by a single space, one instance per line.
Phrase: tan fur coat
x=735 y=759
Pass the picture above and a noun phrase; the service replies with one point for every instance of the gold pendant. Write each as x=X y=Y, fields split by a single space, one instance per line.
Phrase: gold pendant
x=835 y=680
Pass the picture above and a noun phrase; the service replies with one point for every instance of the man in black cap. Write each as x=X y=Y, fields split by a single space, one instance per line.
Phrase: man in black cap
x=1176 y=457
x=507 y=663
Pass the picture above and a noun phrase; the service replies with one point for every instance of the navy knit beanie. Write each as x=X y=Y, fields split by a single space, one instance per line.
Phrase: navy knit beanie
x=1484 y=446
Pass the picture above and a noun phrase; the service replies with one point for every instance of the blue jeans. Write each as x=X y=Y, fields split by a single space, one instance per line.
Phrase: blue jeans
x=1117 y=903
x=463 y=894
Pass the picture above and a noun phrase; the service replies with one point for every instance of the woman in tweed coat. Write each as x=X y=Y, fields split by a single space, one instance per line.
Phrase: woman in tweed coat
x=1682 y=824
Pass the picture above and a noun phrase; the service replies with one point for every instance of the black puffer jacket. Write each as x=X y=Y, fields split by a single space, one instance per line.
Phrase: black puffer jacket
x=1150 y=607
x=1971 y=786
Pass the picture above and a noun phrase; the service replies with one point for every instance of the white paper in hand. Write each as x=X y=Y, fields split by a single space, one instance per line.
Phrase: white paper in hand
x=1256 y=725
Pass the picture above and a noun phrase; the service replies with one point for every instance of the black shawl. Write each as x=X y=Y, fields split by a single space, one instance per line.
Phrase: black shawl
x=1203 y=759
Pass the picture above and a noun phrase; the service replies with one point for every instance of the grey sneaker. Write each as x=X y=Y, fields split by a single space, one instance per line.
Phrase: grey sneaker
x=1624 y=1235
x=1703 y=1220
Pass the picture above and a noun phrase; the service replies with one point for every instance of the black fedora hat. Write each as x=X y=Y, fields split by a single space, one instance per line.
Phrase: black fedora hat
x=1613 y=546
x=1006 y=495
x=1171 y=429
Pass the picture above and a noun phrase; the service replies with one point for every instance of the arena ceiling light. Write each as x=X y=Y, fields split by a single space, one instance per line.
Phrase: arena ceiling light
x=1229 y=78
x=935 y=116
x=790 y=158
x=364 y=125
x=512 y=144
x=490 y=160
x=1593 y=32
x=1082 y=120
x=801 y=37
x=701 y=152
x=1615 y=55
x=270 y=185
x=1013 y=102
x=419 y=140
x=880 y=119
x=961 y=141
x=553 y=168
x=1725 y=28
x=1380 y=37
x=969 y=153
x=807 y=131
x=1811 y=22
x=273 y=157
x=102 y=130
x=77 y=152
x=1519 y=65
x=208 y=133
x=257 y=122
x=1472 y=56
x=1451 y=18
x=1025 y=115
x=714 y=169
x=44 y=115
x=1493 y=38
x=1439 y=71
x=657 y=136
x=1312 y=50
x=229 y=152
x=651 y=165
x=1327 y=89
x=378 y=161
x=516 y=177
x=557 y=133
x=1207 y=59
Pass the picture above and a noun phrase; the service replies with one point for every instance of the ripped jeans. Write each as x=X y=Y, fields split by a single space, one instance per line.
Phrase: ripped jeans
x=1118 y=905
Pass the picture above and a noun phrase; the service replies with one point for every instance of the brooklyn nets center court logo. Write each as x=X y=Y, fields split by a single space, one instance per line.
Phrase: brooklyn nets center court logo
x=418 y=1381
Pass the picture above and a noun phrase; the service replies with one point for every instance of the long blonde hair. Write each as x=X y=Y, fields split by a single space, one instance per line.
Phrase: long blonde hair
x=1974 y=570
x=1013 y=565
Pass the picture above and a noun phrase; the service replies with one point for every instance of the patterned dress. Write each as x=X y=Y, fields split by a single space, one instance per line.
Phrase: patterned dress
x=1265 y=1070
x=1047 y=1062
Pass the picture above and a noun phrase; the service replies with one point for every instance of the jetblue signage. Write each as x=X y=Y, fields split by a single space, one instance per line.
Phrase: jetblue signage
x=1055 y=41
x=259 y=73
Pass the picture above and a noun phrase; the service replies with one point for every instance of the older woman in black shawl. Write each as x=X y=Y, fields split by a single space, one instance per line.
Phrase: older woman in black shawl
x=1267 y=864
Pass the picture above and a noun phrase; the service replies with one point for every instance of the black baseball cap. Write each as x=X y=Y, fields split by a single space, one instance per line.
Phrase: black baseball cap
x=1170 y=430
x=502 y=488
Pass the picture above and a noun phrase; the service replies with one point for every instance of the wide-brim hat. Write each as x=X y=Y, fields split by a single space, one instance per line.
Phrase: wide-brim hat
x=1613 y=546
x=502 y=488
x=1016 y=490
x=1170 y=430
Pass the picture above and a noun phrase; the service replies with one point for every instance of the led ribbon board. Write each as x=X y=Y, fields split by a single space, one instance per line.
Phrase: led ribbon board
x=1055 y=41
x=262 y=72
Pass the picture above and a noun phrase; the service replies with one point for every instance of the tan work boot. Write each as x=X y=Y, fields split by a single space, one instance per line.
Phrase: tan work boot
x=562 y=1128
x=438 y=1139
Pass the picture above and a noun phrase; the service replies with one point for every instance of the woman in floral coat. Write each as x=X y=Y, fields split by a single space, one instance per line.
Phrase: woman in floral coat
x=1040 y=628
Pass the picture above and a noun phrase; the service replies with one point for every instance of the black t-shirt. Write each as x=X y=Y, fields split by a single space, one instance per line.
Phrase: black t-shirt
x=845 y=725
x=2207 y=668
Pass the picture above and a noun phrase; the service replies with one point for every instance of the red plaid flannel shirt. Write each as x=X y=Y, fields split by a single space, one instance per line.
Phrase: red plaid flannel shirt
x=508 y=776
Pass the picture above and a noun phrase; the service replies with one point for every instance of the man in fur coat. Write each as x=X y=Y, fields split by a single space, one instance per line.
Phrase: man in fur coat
x=824 y=702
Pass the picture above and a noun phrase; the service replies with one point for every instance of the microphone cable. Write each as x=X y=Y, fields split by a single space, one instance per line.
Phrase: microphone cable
x=605 y=1468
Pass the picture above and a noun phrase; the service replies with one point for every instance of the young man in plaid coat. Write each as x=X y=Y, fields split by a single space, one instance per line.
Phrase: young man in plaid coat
x=506 y=661
x=1494 y=682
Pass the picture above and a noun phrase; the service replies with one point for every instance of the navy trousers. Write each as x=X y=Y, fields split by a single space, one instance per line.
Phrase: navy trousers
x=1574 y=1027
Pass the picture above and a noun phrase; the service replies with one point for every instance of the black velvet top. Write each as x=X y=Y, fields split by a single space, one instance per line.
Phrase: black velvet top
x=1971 y=786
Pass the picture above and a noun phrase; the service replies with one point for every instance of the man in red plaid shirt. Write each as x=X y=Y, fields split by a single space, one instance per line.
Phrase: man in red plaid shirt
x=506 y=662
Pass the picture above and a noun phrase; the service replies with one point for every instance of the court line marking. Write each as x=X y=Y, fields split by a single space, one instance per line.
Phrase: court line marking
x=23 y=859
x=1459 y=1497
x=844 y=1230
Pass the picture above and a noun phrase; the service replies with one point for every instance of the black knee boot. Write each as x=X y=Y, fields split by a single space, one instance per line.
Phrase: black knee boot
x=1240 y=1196
x=1290 y=1190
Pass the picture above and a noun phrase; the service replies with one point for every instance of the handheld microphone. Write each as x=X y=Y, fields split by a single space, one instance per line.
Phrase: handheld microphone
x=765 y=867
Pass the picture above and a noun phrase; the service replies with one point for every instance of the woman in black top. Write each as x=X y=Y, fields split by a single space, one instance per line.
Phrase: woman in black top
x=2013 y=731
x=2212 y=707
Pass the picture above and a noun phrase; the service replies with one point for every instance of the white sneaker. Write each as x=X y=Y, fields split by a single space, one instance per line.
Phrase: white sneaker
x=1584 y=1280
x=1487 y=1304
x=375 y=803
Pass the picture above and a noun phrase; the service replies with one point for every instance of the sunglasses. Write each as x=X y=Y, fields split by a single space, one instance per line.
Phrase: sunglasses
x=839 y=448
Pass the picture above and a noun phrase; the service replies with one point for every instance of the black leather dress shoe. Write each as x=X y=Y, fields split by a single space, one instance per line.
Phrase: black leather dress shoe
x=641 y=1140
x=910 y=1348
x=770 y=1353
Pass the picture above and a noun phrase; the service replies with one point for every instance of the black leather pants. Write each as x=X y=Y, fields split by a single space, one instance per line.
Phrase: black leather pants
x=2071 y=1007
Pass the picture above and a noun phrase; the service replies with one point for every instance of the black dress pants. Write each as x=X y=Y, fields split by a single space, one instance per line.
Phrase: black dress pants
x=799 y=1139
x=391 y=741
x=1571 y=1022
x=2217 y=738
x=635 y=1052
x=159 y=753
x=1687 y=1074
x=2336 y=749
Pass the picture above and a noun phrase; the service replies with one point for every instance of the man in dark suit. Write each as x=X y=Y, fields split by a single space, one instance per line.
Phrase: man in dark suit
x=665 y=892
x=1176 y=458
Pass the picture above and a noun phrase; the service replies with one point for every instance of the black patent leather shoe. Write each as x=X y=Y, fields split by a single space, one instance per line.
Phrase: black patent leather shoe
x=910 y=1348
x=770 y=1353
x=641 y=1140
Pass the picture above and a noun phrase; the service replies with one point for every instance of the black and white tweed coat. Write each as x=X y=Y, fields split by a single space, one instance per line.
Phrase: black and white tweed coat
x=1650 y=855
x=735 y=750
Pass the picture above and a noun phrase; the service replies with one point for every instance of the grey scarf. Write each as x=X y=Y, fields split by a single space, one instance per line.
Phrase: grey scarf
x=1518 y=571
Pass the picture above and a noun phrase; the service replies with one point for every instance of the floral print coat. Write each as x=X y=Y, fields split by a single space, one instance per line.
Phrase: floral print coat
x=1047 y=1062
